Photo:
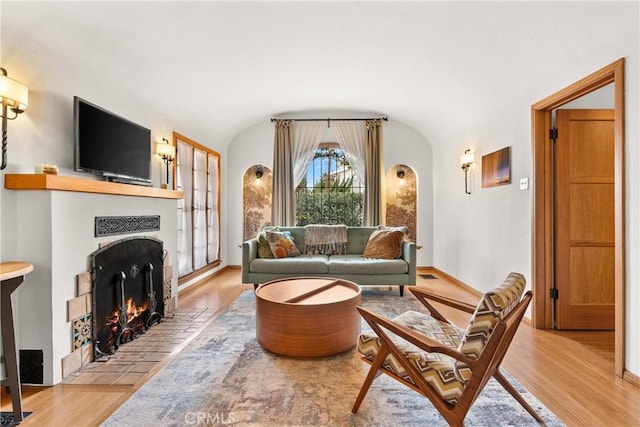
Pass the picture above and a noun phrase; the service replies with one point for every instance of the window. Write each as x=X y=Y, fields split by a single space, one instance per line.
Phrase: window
x=330 y=192
x=197 y=176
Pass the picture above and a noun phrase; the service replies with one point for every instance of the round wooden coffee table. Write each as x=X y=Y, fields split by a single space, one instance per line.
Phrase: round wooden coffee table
x=307 y=316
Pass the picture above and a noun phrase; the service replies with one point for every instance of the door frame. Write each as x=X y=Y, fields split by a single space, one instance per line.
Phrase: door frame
x=542 y=224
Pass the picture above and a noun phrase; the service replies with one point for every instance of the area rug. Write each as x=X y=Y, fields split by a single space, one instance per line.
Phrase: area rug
x=224 y=377
x=8 y=420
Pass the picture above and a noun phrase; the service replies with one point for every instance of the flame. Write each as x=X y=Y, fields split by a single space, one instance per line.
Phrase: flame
x=134 y=311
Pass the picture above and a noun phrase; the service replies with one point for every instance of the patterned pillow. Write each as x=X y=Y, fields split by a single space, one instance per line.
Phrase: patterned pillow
x=282 y=244
x=384 y=244
x=264 y=250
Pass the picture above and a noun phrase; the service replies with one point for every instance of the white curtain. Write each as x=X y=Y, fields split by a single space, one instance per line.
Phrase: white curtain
x=184 y=183
x=199 y=209
x=306 y=137
x=213 y=217
x=352 y=137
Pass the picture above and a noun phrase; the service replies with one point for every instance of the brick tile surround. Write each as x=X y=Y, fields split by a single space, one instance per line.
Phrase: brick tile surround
x=136 y=359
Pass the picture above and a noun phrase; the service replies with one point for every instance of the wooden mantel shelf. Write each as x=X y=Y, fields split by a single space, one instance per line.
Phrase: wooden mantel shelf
x=43 y=181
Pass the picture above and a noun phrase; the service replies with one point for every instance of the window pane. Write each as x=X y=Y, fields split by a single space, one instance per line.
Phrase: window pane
x=199 y=209
x=184 y=178
x=331 y=192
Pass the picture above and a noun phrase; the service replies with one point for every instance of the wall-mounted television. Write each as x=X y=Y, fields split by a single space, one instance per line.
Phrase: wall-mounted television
x=109 y=145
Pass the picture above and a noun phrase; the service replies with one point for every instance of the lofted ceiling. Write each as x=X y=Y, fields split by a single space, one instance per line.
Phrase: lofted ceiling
x=216 y=68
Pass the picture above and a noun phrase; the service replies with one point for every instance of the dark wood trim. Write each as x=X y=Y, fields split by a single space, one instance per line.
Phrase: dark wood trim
x=542 y=231
x=188 y=277
x=196 y=146
x=452 y=279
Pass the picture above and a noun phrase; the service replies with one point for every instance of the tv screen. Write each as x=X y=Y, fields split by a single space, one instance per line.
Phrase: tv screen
x=110 y=145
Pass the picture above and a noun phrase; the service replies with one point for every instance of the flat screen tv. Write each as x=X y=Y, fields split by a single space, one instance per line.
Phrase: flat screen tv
x=109 y=145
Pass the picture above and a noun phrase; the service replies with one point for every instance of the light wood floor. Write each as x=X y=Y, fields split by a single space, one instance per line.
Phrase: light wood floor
x=571 y=373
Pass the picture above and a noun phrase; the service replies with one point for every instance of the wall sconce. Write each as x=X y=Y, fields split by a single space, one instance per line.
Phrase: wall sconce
x=259 y=171
x=400 y=174
x=167 y=152
x=466 y=160
x=15 y=97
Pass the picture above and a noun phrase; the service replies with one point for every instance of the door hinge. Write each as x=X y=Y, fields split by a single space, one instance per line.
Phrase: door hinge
x=553 y=293
x=553 y=134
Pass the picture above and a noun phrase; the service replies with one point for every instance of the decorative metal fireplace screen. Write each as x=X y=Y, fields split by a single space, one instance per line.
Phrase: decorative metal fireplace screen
x=128 y=298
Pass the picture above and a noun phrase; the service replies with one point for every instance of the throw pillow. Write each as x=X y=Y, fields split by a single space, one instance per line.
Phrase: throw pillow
x=264 y=250
x=282 y=244
x=403 y=228
x=384 y=244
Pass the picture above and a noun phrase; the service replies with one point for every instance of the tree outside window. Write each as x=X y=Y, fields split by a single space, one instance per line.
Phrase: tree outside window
x=330 y=192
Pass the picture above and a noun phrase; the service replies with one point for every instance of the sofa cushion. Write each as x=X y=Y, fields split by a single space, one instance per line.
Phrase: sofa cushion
x=282 y=244
x=356 y=264
x=357 y=238
x=385 y=244
x=304 y=264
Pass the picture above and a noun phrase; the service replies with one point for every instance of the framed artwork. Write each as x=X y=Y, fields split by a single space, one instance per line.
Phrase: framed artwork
x=496 y=168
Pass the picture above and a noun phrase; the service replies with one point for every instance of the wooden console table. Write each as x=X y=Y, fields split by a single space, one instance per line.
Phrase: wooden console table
x=11 y=276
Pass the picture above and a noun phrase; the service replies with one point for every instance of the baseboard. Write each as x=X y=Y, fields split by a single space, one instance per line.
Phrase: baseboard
x=450 y=278
x=632 y=378
x=201 y=280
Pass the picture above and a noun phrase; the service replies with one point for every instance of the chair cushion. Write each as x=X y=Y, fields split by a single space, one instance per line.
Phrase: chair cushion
x=494 y=306
x=437 y=369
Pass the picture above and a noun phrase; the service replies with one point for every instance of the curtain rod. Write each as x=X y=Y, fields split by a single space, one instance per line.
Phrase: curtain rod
x=386 y=119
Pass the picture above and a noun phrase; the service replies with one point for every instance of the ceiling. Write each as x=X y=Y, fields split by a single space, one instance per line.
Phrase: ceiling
x=216 y=68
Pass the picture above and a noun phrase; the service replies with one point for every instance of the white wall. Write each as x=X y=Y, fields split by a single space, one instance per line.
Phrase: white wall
x=480 y=238
x=402 y=144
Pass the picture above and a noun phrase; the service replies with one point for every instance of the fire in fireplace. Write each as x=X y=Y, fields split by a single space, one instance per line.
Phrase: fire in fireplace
x=127 y=291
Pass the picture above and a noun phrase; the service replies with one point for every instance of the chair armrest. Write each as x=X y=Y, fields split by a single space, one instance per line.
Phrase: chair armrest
x=425 y=343
x=409 y=255
x=249 y=253
x=425 y=296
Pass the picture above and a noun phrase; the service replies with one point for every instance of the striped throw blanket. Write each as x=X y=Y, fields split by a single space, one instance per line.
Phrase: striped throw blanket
x=325 y=239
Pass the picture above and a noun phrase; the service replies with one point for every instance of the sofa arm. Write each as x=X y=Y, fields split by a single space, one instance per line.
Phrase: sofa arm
x=409 y=255
x=249 y=253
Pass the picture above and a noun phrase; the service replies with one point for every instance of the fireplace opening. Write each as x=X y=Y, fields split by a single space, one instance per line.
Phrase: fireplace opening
x=128 y=299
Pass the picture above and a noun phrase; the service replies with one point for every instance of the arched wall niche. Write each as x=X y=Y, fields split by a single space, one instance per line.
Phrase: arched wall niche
x=402 y=198
x=256 y=199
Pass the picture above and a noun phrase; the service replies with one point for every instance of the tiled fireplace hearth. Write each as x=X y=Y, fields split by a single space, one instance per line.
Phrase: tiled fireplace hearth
x=126 y=291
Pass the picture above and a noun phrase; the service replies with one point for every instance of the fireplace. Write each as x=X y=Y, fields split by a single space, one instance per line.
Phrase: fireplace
x=127 y=280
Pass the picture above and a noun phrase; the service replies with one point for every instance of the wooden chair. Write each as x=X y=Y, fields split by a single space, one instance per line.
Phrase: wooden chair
x=447 y=365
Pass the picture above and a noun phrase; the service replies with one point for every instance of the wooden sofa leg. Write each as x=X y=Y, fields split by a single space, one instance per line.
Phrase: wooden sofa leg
x=401 y=290
x=255 y=286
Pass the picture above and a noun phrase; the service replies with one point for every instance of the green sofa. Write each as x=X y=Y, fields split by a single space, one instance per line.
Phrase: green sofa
x=351 y=266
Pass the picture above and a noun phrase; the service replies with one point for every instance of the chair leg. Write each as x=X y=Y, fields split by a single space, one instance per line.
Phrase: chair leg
x=513 y=392
x=373 y=373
